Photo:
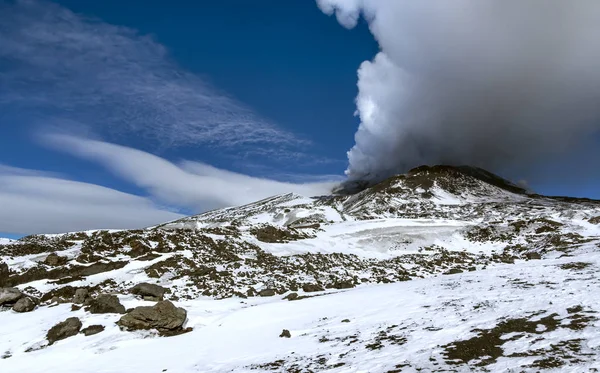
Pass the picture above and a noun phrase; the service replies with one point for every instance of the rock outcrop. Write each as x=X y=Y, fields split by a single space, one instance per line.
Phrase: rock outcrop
x=64 y=329
x=163 y=316
x=55 y=260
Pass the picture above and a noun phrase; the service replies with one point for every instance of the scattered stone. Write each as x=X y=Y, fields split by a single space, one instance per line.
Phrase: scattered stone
x=533 y=256
x=25 y=304
x=291 y=296
x=453 y=271
x=92 y=329
x=285 y=334
x=55 y=260
x=64 y=329
x=163 y=316
x=75 y=307
x=346 y=320
x=595 y=220
x=267 y=293
x=145 y=289
x=4 y=274
x=311 y=288
x=81 y=295
x=9 y=296
x=106 y=303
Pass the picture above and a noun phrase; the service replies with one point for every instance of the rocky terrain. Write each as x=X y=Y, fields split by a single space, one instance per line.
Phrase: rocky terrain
x=445 y=269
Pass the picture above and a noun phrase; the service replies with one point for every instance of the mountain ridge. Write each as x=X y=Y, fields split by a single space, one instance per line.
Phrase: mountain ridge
x=441 y=239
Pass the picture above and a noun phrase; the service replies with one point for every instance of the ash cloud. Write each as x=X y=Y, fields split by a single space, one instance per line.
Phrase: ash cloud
x=488 y=83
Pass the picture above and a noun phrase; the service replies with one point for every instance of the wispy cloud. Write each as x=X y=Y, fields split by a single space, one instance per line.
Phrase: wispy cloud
x=35 y=202
x=58 y=64
x=192 y=185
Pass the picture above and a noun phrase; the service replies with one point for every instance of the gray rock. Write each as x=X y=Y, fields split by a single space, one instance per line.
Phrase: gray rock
x=4 y=274
x=267 y=293
x=163 y=316
x=285 y=334
x=533 y=256
x=9 y=296
x=55 y=260
x=25 y=304
x=145 y=289
x=80 y=296
x=310 y=288
x=64 y=329
x=291 y=296
x=106 y=303
x=92 y=329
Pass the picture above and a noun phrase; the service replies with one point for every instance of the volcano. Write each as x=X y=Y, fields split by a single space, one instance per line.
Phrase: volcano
x=439 y=269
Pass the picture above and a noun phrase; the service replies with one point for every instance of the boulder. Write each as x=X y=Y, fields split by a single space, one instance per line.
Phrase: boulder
x=9 y=296
x=267 y=293
x=55 y=260
x=285 y=334
x=163 y=316
x=291 y=296
x=81 y=295
x=149 y=291
x=64 y=329
x=106 y=303
x=310 y=288
x=25 y=304
x=92 y=329
x=533 y=256
x=4 y=274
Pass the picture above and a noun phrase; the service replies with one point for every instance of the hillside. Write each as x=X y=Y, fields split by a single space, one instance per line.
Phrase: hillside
x=441 y=269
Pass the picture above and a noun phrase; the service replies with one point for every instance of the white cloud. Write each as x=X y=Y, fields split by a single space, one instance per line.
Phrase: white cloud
x=34 y=202
x=191 y=185
x=62 y=65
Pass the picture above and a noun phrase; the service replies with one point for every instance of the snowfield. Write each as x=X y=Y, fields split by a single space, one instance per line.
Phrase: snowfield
x=435 y=271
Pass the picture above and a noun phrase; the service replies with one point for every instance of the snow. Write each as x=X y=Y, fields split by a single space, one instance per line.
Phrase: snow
x=231 y=335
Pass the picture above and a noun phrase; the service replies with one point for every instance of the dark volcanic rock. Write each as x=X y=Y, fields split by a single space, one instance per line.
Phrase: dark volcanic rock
x=285 y=334
x=267 y=293
x=106 y=303
x=163 y=316
x=310 y=288
x=4 y=273
x=92 y=329
x=291 y=296
x=81 y=295
x=533 y=255
x=64 y=329
x=25 y=304
x=145 y=290
x=9 y=296
x=71 y=271
x=55 y=260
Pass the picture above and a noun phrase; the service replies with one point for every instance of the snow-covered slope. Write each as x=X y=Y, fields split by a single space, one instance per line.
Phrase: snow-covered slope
x=442 y=269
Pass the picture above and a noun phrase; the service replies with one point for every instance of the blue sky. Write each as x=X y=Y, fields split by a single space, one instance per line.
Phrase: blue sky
x=124 y=113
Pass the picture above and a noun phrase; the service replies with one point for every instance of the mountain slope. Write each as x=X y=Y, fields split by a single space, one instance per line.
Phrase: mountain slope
x=435 y=270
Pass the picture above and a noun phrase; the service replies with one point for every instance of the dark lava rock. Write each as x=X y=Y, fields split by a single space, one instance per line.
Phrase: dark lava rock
x=9 y=296
x=311 y=288
x=163 y=316
x=55 y=260
x=75 y=307
x=106 y=303
x=285 y=334
x=92 y=329
x=533 y=256
x=25 y=304
x=4 y=274
x=291 y=296
x=267 y=293
x=453 y=271
x=145 y=289
x=81 y=295
x=64 y=329
x=62 y=295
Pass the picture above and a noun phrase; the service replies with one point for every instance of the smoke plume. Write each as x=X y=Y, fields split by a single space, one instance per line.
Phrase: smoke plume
x=489 y=83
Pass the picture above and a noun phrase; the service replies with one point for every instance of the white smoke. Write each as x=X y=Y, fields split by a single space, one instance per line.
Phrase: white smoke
x=489 y=83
